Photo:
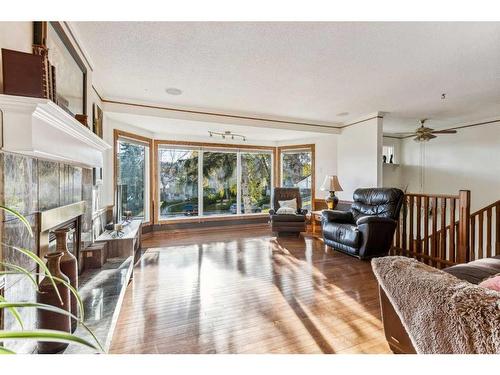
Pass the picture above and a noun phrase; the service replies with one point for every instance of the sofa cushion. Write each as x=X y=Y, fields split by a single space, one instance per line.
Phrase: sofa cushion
x=492 y=283
x=347 y=234
x=291 y=203
x=285 y=211
x=288 y=218
x=477 y=270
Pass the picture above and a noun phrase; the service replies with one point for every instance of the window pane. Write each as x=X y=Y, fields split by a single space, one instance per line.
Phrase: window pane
x=178 y=182
x=132 y=179
x=296 y=169
x=219 y=183
x=255 y=182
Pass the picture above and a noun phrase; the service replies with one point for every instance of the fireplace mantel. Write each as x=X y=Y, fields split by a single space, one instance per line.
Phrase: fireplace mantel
x=40 y=128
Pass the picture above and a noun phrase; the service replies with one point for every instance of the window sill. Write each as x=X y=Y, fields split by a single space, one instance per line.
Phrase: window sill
x=201 y=219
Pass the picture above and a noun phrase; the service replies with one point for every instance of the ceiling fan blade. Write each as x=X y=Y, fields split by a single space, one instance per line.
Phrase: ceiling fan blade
x=444 y=132
x=402 y=134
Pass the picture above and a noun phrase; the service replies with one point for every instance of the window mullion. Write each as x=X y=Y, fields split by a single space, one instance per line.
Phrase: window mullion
x=238 y=183
x=200 y=182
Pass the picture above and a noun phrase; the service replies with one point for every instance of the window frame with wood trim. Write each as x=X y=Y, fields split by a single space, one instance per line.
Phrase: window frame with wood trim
x=148 y=173
x=297 y=148
x=203 y=148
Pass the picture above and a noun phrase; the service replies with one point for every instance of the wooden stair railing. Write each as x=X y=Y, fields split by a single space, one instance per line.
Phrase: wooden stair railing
x=485 y=234
x=478 y=232
x=430 y=232
x=424 y=231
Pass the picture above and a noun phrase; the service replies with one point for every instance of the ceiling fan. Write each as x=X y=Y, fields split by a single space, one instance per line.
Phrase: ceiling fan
x=425 y=134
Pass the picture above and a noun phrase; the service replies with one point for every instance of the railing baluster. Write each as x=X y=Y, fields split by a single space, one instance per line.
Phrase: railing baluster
x=405 y=215
x=418 y=240
x=442 y=247
x=463 y=226
x=426 y=228
x=411 y=240
x=489 y=225
x=473 y=237
x=497 y=231
x=434 y=242
x=452 y=230
x=480 y=234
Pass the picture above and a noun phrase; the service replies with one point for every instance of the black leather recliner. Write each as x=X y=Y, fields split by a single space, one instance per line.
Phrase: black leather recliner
x=293 y=223
x=367 y=229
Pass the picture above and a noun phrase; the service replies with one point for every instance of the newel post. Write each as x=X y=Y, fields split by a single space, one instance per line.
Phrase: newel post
x=463 y=226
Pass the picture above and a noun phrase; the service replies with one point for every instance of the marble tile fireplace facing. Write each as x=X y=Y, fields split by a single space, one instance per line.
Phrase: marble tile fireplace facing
x=32 y=187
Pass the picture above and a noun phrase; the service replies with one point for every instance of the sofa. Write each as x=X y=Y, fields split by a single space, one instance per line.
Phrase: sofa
x=289 y=223
x=398 y=339
x=367 y=229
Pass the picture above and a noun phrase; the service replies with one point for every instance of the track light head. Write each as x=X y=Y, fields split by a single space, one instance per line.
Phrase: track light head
x=228 y=134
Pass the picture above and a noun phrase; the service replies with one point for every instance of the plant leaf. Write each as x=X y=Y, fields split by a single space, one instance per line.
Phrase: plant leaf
x=18 y=216
x=19 y=270
x=46 y=335
x=14 y=312
x=41 y=264
x=93 y=336
x=51 y=308
x=75 y=293
x=6 y=351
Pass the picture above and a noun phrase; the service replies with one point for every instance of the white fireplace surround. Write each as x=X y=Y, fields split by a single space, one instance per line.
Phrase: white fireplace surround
x=39 y=128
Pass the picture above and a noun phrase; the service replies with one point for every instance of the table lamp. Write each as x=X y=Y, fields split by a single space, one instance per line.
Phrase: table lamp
x=331 y=184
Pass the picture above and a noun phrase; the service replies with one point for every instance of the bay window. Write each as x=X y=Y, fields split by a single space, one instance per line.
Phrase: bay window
x=196 y=180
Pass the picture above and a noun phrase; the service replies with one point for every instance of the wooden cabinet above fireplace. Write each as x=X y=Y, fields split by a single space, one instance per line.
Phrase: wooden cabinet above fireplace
x=39 y=128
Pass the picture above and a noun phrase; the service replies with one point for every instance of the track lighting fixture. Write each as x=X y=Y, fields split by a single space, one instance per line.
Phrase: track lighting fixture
x=227 y=133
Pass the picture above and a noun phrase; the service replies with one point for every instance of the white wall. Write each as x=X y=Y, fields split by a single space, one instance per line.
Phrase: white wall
x=17 y=36
x=325 y=158
x=466 y=160
x=359 y=161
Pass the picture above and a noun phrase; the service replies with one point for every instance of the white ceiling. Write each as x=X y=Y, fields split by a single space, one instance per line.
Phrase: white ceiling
x=304 y=71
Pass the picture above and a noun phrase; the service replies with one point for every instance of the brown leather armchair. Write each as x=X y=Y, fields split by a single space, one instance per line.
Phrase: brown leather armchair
x=293 y=223
x=367 y=229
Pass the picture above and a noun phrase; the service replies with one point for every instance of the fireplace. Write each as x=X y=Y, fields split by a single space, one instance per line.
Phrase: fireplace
x=69 y=216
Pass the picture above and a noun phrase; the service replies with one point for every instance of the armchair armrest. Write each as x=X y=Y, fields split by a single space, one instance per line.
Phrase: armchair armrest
x=337 y=216
x=377 y=234
x=374 y=220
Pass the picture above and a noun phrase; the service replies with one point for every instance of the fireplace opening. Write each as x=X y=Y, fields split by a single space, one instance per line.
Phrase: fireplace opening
x=65 y=217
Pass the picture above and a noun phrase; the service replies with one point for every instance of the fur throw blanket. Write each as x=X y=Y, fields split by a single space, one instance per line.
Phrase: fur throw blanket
x=440 y=313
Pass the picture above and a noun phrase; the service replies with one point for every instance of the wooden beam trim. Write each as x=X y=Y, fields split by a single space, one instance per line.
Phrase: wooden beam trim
x=240 y=117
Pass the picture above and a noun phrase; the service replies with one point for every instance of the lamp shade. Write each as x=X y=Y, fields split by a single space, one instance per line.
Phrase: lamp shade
x=331 y=183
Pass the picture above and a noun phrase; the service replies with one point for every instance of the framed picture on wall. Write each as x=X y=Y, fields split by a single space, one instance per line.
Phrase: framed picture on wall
x=66 y=64
x=97 y=119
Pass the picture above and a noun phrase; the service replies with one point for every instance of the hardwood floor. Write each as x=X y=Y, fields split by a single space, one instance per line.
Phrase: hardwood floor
x=244 y=291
